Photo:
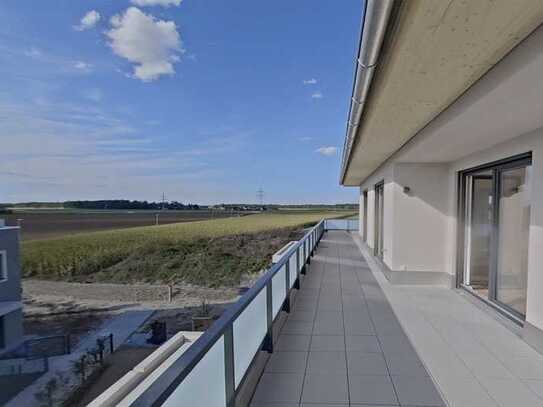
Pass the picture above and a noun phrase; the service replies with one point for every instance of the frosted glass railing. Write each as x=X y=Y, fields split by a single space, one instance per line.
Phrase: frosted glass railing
x=341 y=224
x=213 y=369
x=250 y=328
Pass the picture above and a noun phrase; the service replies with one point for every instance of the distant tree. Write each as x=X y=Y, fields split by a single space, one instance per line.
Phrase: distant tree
x=115 y=204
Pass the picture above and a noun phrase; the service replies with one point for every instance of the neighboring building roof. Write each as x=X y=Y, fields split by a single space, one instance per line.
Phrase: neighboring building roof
x=9 y=306
x=432 y=53
x=8 y=227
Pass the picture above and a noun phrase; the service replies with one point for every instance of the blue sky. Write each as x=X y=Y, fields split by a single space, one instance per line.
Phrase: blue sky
x=205 y=100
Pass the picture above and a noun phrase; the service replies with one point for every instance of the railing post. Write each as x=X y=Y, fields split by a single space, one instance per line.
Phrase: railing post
x=268 y=339
x=286 y=303
x=303 y=271
x=321 y=231
x=307 y=258
x=229 y=373
x=298 y=271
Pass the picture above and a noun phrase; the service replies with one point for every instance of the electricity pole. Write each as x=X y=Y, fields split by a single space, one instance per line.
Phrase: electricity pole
x=260 y=196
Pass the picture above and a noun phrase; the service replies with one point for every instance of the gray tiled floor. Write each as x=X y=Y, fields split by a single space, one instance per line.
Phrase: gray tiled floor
x=342 y=344
x=475 y=357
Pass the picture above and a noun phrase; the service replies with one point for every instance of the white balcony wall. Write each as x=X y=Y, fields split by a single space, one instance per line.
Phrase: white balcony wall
x=420 y=217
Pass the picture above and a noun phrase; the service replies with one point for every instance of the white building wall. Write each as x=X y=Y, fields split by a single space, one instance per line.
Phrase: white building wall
x=415 y=224
x=420 y=230
x=420 y=217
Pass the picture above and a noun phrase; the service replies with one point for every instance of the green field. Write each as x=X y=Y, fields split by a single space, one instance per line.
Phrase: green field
x=212 y=253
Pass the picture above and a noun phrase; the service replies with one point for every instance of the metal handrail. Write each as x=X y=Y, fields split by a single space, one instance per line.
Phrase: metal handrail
x=159 y=391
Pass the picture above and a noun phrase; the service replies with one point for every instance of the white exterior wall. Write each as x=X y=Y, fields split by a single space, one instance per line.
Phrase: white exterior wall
x=420 y=217
x=420 y=228
x=415 y=224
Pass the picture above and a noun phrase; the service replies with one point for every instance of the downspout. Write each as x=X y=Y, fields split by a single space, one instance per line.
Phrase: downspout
x=376 y=16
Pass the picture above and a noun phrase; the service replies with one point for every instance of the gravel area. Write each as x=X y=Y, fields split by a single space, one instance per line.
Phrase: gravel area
x=53 y=291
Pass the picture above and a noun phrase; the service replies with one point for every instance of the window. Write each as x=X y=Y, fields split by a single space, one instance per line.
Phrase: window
x=365 y=216
x=493 y=250
x=3 y=266
x=379 y=220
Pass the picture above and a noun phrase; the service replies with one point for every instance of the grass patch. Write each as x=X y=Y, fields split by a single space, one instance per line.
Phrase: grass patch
x=209 y=253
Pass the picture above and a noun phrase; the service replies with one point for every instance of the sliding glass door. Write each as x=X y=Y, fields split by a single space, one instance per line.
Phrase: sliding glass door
x=513 y=228
x=379 y=221
x=365 y=216
x=478 y=231
x=496 y=218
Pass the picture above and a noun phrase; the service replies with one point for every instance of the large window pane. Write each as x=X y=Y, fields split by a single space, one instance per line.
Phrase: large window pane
x=478 y=231
x=514 y=223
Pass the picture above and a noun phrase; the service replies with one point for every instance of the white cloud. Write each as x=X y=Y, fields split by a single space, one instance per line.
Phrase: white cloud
x=33 y=53
x=163 y=3
x=152 y=45
x=94 y=94
x=83 y=66
x=58 y=151
x=311 y=81
x=88 y=21
x=328 y=151
x=317 y=95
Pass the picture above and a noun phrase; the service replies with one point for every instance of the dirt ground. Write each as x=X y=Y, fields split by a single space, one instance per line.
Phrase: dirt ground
x=59 y=308
x=62 y=317
x=75 y=296
x=39 y=224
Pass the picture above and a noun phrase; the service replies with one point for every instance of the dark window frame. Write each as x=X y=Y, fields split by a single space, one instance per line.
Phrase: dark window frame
x=516 y=161
x=378 y=229
x=365 y=216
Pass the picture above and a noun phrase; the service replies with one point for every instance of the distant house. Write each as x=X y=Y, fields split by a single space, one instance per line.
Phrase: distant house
x=11 y=315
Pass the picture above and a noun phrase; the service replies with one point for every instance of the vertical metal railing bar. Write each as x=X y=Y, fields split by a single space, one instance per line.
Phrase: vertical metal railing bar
x=298 y=267
x=303 y=270
x=268 y=339
x=229 y=372
x=308 y=254
x=286 y=303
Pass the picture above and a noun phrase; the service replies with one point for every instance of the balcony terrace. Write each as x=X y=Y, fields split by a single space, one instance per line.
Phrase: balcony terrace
x=342 y=342
x=323 y=327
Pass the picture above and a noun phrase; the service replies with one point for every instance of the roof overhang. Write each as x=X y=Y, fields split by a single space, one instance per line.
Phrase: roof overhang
x=433 y=51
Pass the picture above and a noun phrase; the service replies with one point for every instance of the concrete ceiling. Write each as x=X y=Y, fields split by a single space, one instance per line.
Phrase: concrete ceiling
x=505 y=103
x=434 y=52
